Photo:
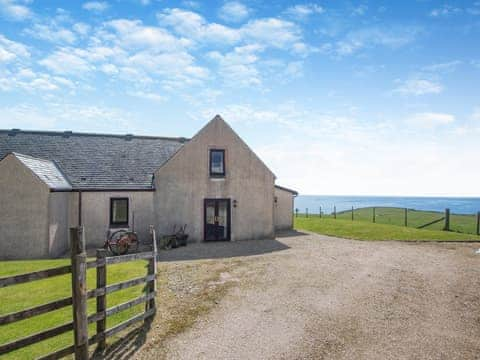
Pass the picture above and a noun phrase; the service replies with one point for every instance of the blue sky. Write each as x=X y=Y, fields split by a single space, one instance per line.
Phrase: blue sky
x=337 y=97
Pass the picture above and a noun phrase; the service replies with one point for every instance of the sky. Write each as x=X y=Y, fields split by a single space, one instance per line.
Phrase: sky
x=357 y=97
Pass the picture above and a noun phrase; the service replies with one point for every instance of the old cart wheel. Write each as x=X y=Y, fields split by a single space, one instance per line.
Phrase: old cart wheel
x=119 y=242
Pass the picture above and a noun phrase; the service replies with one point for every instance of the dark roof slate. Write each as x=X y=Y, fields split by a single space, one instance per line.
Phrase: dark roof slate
x=95 y=161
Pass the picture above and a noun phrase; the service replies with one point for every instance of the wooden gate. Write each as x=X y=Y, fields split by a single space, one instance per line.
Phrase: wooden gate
x=80 y=295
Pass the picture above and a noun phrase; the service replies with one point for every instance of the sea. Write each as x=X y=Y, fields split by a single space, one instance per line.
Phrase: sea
x=457 y=205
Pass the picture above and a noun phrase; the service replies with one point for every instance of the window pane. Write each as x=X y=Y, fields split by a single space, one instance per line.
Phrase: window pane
x=120 y=211
x=216 y=165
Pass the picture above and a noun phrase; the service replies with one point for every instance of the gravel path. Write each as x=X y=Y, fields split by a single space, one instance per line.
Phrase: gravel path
x=325 y=298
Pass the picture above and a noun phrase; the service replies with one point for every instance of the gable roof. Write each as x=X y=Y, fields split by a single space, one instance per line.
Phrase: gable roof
x=294 y=192
x=46 y=171
x=94 y=161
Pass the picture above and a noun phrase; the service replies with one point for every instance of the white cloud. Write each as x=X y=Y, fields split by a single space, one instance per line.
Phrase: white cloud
x=233 y=11
x=109 y=69
x=419 y=87
x=133 y=34
x=392 y=37
x=194 y=26
x=272 y=32
x=360 y=10
x=148 y=96
x=11 y=50
x=15 y=10
x=58 y=115
x=445 y=67
x=445 y=10
x=51 y=32
x=31 y=81
x=81 y=28
x=238 y=67
x=302 y=11
x=95 y=6
x=430 y=119
x=65 y=61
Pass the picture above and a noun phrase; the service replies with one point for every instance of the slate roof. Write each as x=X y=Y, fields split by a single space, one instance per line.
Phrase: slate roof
x=46 y=170
x=95 y=161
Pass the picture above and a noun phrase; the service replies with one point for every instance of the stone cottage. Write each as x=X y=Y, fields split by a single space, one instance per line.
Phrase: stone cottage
x=214 y=183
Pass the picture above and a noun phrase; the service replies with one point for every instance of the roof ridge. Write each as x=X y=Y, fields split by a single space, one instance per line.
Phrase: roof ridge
x=69 y=133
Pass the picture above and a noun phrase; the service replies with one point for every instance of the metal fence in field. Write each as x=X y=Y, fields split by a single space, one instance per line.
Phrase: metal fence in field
x=420 y=219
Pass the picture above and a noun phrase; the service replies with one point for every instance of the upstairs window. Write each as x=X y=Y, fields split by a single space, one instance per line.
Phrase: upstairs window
x=119 y=211
x=217 y=163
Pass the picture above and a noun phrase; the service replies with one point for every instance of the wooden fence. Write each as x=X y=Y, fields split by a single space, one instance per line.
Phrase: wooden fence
x=80 y=295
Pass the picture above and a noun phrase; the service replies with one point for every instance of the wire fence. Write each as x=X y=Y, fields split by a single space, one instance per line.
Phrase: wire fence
x=420 y=219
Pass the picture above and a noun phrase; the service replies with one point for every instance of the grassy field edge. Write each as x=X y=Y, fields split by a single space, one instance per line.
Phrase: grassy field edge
x=361 y=230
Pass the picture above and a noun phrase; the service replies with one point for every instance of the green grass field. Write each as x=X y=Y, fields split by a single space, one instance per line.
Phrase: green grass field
x=415 y=218
x=364 y=230
x=19 y=297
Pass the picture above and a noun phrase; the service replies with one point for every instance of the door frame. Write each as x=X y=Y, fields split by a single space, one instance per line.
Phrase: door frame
x=229 y=217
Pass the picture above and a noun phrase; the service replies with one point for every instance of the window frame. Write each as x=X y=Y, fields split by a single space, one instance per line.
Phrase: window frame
x=217 y=174
x=112 y=200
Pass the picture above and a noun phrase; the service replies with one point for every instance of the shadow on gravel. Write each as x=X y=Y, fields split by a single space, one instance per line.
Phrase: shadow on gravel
x=127 y=345
x=217 y=250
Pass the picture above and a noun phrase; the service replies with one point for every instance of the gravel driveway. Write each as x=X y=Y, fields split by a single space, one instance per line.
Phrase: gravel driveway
x=315 y=297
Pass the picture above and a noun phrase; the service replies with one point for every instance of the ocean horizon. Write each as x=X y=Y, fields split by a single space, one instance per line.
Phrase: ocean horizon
x=457 y=205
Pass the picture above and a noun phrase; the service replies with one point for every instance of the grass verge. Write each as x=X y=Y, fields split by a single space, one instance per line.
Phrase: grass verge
x=362 y=230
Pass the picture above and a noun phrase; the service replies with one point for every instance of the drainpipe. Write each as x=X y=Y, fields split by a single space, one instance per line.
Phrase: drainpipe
x=79 y=208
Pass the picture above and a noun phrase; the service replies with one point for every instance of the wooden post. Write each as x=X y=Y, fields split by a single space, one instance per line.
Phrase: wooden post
x=152 y=270
x=406 y=217
x=478 y=223
x=352 y=213
x=101 y=299
x=373 y=217
x=334 y=212
x=79 y=292
x=447 y=220
x=320 y=212
x=306 y=212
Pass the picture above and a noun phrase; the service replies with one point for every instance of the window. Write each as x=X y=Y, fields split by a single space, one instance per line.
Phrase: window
x=217 y=163
x=119 y=211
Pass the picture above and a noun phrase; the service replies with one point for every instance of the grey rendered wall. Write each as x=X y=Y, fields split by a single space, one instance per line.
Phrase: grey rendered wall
x=96 y=214
x=283 y=210
x=58 y=210
x=183 y=183
x=23 y=212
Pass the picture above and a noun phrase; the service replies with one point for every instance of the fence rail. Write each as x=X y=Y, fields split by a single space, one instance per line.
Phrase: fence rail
x=79 y=324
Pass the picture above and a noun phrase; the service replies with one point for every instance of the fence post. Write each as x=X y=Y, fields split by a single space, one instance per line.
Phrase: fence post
x=79 y=292
x=101 y=299
x=478 y=223
x=373 y=217
x=152 y=270
x=406 y=217
x=320 y=212
x=306 y=212
x=334 y=212
x=447 y=220
x=352 y=213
